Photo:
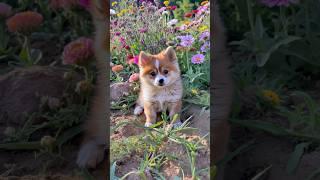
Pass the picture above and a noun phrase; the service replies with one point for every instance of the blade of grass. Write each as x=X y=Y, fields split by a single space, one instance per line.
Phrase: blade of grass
x=239 y=150
x=260 y=174
x=21 y=146
x=314 y=174
x=295 y=157
x=265 y=126
x=69 y=134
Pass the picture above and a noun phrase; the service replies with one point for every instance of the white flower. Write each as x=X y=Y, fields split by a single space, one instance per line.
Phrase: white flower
x=172 y=22
x=165 y=12
x=112 y=12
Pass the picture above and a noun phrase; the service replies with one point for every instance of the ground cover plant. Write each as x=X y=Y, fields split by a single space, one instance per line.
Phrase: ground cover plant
x=276 y=69
x=160 y=151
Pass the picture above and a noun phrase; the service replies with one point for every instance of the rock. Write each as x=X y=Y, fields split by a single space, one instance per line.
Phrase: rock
x=21 y=91
x=200 y=120
x=118 y=90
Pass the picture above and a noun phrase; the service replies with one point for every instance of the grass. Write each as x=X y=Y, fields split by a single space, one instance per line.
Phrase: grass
x=151 y=144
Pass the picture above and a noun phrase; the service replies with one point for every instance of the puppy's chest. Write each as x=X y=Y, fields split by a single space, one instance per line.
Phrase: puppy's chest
x=161 y=99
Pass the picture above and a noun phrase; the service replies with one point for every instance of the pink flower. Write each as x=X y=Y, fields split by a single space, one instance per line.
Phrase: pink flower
x=173 y=8
x=143 y=30
x=79 y=52
x=272 y=3
x=133 y=60
x=24 y=22
x=5 y=10
x=134 y=77
x=197 y=59
x=162 y=9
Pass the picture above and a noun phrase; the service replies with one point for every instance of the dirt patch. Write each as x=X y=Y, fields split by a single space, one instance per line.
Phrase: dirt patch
x=125 y=130
x=267 y=150
x=172 y=167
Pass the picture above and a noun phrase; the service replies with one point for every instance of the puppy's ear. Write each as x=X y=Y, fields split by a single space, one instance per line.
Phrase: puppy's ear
x=144 y=59
x=170 y=53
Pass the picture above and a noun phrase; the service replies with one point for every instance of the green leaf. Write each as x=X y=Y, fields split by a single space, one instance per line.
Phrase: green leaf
x=260 y=125
x=263 y=57
x=36 y=55
x=295 y=157
x=259 y=27
x=69 y=134
x=24 y=55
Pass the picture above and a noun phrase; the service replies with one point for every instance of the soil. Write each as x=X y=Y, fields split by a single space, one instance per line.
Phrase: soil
x=172 y=167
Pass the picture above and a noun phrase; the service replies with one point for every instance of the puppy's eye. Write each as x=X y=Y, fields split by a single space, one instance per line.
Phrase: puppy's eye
x=153 y=73
x=165 y=72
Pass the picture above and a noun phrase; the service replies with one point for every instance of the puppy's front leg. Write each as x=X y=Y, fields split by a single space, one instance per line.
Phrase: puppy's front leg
x=150 y=112
x=175 y=108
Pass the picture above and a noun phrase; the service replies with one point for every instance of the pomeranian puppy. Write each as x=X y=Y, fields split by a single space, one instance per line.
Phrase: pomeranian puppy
x=161 y=86
x=222 y=92
x=92 y=150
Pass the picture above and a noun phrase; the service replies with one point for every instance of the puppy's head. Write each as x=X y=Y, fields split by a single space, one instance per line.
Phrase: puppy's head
x=159 y=70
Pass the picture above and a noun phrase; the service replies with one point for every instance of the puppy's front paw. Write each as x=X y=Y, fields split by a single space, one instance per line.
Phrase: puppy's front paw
x=138 y=110
x=148 y=124
x=91 y=153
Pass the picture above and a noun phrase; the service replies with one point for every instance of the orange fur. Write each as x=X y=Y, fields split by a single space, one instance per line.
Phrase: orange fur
x=155 y=97
x=222 y=92
x=92 y=149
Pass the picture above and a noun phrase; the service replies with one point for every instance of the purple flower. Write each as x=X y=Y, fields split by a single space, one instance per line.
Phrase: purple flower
x=186 y=41
x=205 y=47
x=204 y=36
x=197 y=59
x=122 y=41
x=272 y=3
x=117 y=33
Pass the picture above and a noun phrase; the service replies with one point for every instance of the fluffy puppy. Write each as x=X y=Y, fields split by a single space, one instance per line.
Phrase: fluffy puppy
x=161 y=85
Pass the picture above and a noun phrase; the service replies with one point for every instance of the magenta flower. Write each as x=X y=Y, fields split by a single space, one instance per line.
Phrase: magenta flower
x=79 y=52
x=197 y=59
x=133 y=59
x=5 y=10
x=272 y=3
x=186 y=41
x=85 y=3
x=143 y=30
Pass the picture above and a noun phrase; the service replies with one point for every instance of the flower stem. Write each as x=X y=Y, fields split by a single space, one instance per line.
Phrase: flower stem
x=250 y=15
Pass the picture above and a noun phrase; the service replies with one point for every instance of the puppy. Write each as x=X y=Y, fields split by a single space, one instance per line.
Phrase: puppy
x=93 y=147
x=161 y=85
x=222 y=91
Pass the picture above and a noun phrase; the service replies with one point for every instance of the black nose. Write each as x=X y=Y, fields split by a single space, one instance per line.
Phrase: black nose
x=161 y=81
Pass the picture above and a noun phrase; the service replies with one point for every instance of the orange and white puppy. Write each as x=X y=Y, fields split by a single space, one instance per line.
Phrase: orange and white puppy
x=161 y=85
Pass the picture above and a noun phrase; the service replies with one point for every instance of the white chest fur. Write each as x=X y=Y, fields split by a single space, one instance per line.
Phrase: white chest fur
x=163 y=95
